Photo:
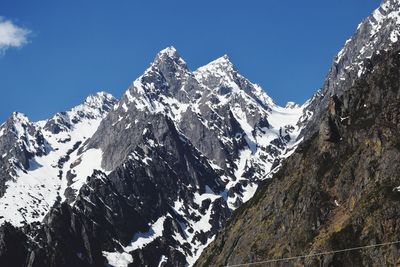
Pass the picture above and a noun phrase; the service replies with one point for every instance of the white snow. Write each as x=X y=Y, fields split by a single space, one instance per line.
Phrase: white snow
x=118 y=259
x=29 y=197
x=249 y=192
x=90 y=160
x=197 y=226
x=162 y=261
x=125 y=107
x=244 y=156
x=286 y=116
x=394 y=36
x=139 y=240
x=203 y=224
x=240 y=116
x=342 y=51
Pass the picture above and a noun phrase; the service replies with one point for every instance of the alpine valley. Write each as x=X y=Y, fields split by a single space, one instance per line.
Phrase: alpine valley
x=165 y=176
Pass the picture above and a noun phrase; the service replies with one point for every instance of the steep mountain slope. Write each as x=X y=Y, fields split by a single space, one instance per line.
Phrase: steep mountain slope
x=340 y=187
x=173 y=158
x=36 y=155
x=378 y=32
x=19 y=142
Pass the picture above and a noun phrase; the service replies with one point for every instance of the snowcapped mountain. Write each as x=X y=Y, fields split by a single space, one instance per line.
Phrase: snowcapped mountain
x=19 y=142
x=36 y=155
x=218 y=133
x=150 y=178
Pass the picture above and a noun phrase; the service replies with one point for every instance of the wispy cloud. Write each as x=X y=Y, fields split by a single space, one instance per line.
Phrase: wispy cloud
x=11 y=35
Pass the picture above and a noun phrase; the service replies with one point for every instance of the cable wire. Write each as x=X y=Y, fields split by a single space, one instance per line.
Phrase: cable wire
x=314 y=254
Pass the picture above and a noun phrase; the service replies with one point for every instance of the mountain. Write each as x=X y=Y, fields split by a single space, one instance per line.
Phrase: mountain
x=168 y=172
x=149 y=179
x=378 y=32
x=35 y=155
x=340 y=188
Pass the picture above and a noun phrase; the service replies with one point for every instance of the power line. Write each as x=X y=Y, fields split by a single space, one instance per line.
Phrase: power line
x=314 y=254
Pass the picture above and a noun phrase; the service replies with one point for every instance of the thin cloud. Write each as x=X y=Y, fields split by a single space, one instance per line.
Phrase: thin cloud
x=11 y=35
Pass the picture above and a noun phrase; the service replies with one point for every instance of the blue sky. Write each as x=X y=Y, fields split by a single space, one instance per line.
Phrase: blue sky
x=70 y=49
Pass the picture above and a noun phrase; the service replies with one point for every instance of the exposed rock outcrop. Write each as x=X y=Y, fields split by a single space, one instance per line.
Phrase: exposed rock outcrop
x=339 y=190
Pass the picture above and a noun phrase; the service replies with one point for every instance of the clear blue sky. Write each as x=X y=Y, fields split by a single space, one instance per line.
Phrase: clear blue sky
x=79 y=47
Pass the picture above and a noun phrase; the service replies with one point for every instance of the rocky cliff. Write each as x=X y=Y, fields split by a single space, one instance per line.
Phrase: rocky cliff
x=339 y=190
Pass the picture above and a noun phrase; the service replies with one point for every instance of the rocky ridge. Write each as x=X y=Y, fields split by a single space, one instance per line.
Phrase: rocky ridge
x=377 y=33
x=34 y=168
x=339 y=189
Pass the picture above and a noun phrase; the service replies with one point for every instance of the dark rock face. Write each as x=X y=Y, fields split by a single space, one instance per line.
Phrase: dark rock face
x=70 y=239
x=66 y=238
x=13 y=246
x=163 y=168
x=340 y=189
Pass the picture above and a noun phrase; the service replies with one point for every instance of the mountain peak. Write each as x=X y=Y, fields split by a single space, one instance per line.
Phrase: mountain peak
x=222 y=63
x=377 y=32
x=98 y=99
x=18 y=117
x=169 y=57
x=170 y=51
x=94 y=107
x=224 y=59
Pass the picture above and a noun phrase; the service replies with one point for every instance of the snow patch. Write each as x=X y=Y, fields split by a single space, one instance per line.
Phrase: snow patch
x=139 y=240
x=118 y=259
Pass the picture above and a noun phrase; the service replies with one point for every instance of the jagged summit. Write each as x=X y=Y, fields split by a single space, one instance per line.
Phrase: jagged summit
x=93 y=107
x=169 y=60
x=99 y=98
x=376 y=34
x=97 y=102
x=222 y=76
x=100 y=95
x=18 y=124
x=387 y=14
x=223 y=61
x=168 y=51
x=18 y=117
x=222 y=65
